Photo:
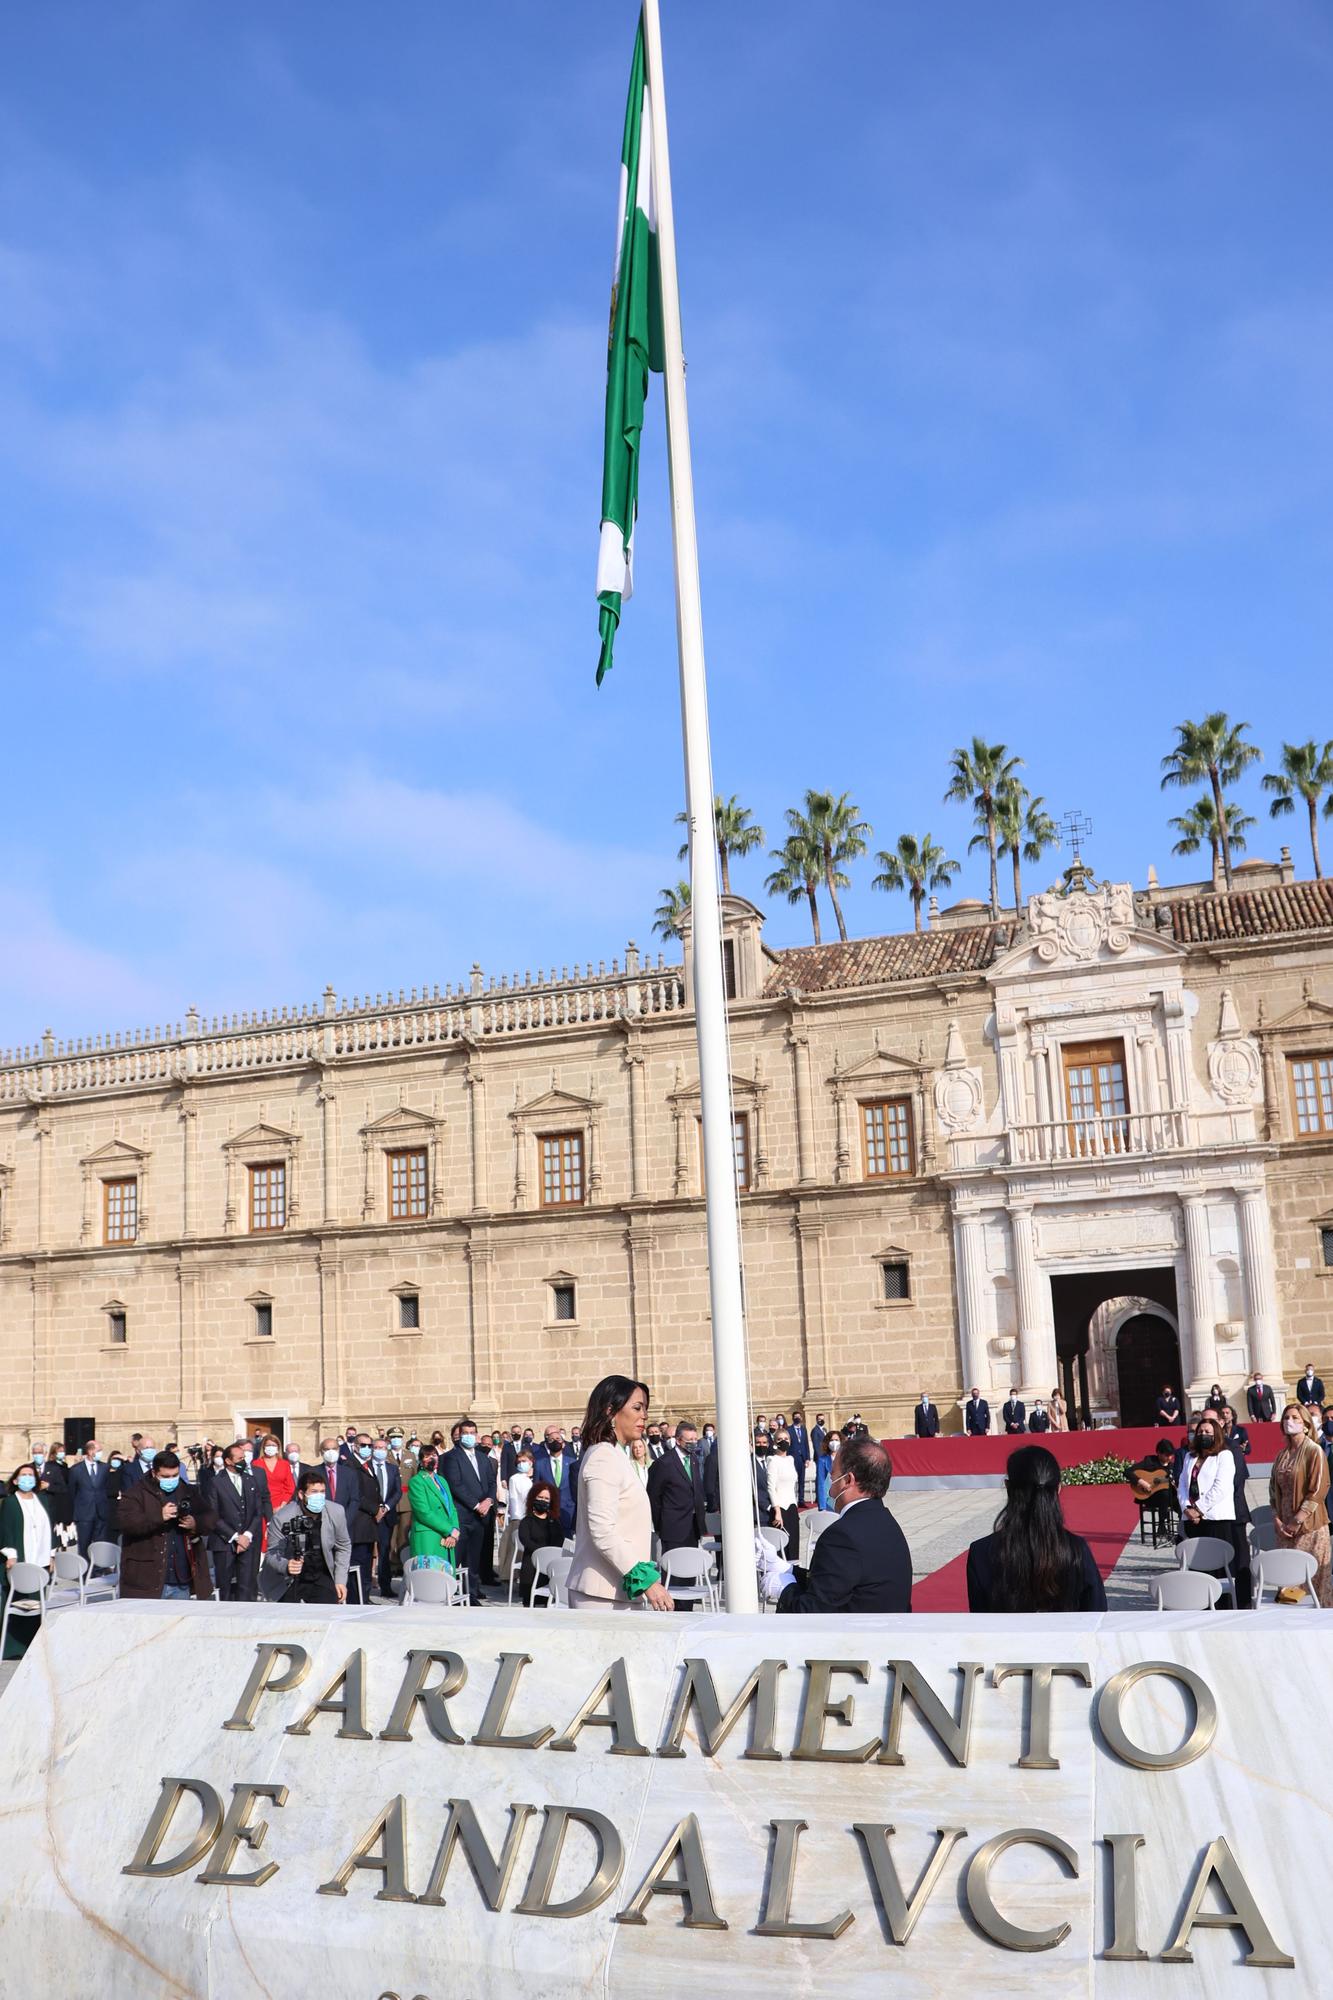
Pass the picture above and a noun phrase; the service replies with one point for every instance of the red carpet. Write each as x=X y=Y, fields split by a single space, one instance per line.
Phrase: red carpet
x=941 y=1457
x=1105 y=1516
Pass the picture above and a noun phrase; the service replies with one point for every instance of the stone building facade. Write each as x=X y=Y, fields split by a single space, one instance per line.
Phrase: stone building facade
x=1093 y=1144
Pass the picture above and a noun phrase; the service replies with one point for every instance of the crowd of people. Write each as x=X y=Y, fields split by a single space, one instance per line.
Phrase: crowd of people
x=251 y=1519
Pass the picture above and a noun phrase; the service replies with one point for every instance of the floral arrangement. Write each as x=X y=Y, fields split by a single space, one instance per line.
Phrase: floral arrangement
x=1098 y=1472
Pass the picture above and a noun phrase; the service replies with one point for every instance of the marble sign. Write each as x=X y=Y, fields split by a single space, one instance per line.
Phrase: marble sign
x=223 y=1801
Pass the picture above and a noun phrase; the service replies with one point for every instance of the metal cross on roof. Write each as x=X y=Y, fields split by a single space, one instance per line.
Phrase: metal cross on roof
x=1077 y=827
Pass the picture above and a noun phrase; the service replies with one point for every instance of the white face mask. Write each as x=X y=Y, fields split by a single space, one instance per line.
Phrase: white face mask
x=270 y=1451
x=329 y=1457
x=1293 y=1429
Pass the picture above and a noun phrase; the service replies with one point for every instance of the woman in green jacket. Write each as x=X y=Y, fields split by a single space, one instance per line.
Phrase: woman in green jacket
x=434 y=1517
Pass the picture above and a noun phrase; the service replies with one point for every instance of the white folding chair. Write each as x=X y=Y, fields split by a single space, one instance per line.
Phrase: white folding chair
x=70 y=1572
x=551 y=1569
x=1284 y=1569
x=687 y=1574
x=103 y=1579
x=567 y=1546
x=1187 y=1590
x=1210 y=1552
x=26 y=1599
x=777 y=1537
x=435 y=1586
x=515 y=1565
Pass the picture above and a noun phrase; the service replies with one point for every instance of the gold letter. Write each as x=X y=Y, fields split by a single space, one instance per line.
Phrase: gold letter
x=619 y=1718
x=1037 y=1755
x=610 y=1861
x=954 y=1732
x=492 y=1876
x=432 y=1700
x=775 y=1917
x=1113 y=1729
x=685 y=1846
x=714 y=1727
x=172 y=1792
x=261 y=1681
x=491 y=1734
x=390 y=1826
x=351 y=1705
x=817 y=1707
x=982 y=1904
x=901 y=1913
x=1263 y=1947
x=1124 y=1896
x=235 y=1829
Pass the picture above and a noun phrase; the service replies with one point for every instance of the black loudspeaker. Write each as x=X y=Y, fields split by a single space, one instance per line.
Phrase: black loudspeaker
x=77 y=1432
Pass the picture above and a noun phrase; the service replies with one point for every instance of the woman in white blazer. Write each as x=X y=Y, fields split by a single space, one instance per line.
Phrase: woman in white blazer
x=613 y=1537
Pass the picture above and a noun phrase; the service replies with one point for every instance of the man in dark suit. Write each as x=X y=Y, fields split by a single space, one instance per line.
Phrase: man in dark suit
x=800 y=1450
x=509 y=1454
x=1309 y=1389
x=231 y=1498
x=676 y=1491
x=1014 y=1416
x=862 y=1563
x=1168 y=1407
x=139 y=1464
x=553 y=1459
x=90 y=1495
x=818 y=1432
x=471 y=1477
x=976 y=1415
x=342 y=1480
x=926 y=1418
x=1040 y=1419
x=1260 y=1402
x=713 y=1487
x=388 y=1492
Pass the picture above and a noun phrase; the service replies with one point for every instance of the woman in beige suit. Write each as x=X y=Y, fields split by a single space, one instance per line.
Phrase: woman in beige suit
x=613 y=1537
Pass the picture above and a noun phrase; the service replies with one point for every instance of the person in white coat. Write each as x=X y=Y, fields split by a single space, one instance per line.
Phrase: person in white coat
x=613 y=1539
x=782 y=1491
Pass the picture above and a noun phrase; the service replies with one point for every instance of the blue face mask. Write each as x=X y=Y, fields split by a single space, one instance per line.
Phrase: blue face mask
x=363 y=1451
x=169 y=1485
x=26 y=1482
x=315 y=1502
x=380 y=1454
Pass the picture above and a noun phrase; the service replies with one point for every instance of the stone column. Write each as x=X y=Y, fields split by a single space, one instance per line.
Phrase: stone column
x=481 y=1257
x=45 y=1172
x=1201 y=1363
x=476 y=1084
x=641 y=1238
x=330 y=1335
x=1260 y=1284
x=638 y=1136
x=1036 y=1321
x=42 y=1298
x=189 y=1122
x=970 y=1263
x=799 y=1045
x=328 y=1104
x=189 y=1281
x=810 y=1254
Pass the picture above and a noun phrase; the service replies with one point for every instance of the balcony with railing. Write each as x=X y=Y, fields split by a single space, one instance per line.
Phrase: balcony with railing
x=1115 y=1136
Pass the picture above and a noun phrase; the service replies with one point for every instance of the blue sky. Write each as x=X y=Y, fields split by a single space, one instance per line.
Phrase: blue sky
x=1009 y=334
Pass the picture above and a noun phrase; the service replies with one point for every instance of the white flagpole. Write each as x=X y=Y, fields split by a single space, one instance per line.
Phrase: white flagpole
x=730 y=1382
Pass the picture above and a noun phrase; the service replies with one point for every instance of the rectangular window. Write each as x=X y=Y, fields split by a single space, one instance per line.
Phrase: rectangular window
x=409 y=1311
x=1095 y=1097
x=263 y=1321
x=407 y=1184
x=120 y=1211
x=564 y=1302
x=562 y=1170
x=895 y=1281
x=117 y=1328
x=1312 y=1094
x=268 y=1197
x=1326 y=1245
x=740 y=1144
x=887 y=1128
x=729 y=967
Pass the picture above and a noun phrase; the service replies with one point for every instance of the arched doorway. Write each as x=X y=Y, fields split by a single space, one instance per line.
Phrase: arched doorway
x=1090 y=1307
x=1147 y=1356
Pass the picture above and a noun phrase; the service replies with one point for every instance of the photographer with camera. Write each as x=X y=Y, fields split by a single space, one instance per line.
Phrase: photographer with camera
x=309 y=1549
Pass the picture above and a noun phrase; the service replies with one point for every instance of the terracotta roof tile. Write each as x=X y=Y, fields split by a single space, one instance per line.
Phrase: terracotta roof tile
x=1253 y=913
x=827 y=968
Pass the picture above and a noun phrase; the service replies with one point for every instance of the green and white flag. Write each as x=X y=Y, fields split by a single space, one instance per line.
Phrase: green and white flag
x=635 y=346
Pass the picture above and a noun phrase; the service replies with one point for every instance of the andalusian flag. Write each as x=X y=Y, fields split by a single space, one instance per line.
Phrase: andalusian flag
x=634 y=347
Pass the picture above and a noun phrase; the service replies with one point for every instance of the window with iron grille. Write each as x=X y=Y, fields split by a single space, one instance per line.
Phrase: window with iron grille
x=268 y=1197
x=886 y=1126
x=263 y=1320
x=120 y=1211
x=729 y=967
x=117 y=1328
x=407 y=1184
x=896 y=1285
x=562 y=1170
x=1326 y=1245
x=409 y=1311
x=740 y=1146
x=1312 y=1094
x=564 y=1302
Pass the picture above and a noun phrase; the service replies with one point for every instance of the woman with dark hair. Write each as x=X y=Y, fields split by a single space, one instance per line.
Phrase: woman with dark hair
x=613 y=1538
x=1032 y=1562
x=434 y=1535
x=538 y=1529
x=27 y=1535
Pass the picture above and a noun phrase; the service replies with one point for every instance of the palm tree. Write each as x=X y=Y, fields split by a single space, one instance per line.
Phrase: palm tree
x=733 y=832
x=979 y=776
x=1213 y=749
x=1025 y=829
x=672 y=911
x=915 y=865
x=1199 y=824
x=799 y=872
x=832 y=824
x=1308 y=772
